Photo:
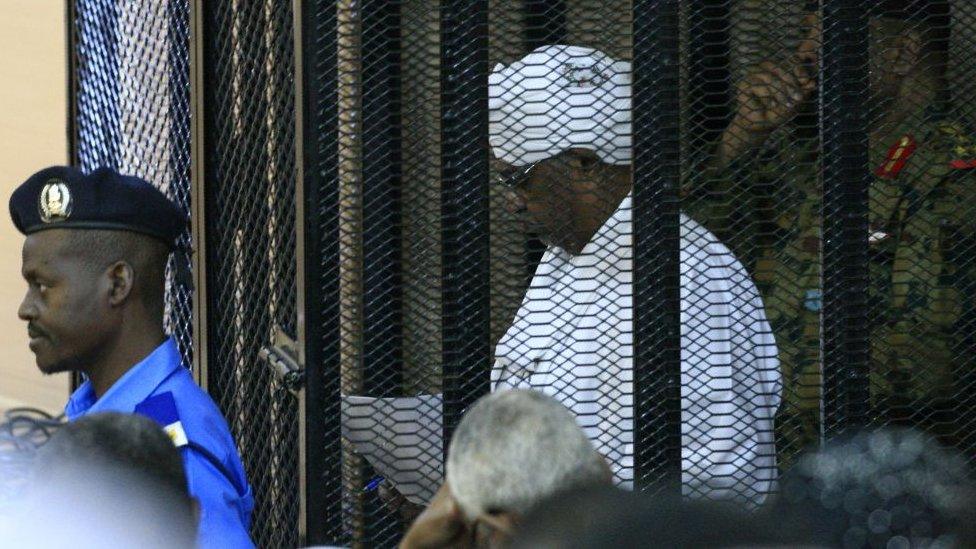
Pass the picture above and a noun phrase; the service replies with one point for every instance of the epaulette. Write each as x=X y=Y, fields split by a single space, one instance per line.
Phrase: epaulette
x=963 y=150
x=161 y=408
x=897 y=157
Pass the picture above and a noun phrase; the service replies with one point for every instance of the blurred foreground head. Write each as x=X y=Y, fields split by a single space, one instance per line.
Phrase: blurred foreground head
x=606 y=517
x=889 y=488
x=511 y=450
x=108 y=480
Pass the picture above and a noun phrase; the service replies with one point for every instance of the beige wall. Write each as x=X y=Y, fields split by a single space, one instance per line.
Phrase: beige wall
x=32 y=135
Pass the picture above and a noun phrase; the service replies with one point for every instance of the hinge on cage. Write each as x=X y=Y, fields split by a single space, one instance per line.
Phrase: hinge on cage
x=282 y=357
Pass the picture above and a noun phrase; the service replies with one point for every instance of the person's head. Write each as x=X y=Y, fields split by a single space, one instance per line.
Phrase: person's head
x=118 y=474
x=891 y=487
x=908 y=43
x=560 y=132
x=511 y=450
x=594 y=518
x=94 y=260
x=909 y=38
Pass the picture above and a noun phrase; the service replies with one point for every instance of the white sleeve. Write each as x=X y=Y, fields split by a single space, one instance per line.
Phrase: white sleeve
x=730 y=376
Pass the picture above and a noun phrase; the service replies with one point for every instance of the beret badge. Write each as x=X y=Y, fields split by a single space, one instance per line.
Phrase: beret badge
x=54 y=202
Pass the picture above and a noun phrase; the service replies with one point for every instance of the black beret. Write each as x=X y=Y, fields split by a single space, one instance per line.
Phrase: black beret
x=63 y=197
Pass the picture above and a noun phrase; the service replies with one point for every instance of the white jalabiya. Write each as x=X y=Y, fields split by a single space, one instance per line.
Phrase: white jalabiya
x=572 y=338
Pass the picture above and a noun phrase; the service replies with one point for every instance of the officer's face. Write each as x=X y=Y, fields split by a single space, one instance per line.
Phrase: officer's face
x=64 y=310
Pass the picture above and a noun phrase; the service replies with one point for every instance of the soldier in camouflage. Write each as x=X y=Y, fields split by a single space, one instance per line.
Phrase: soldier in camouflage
x=760 y=192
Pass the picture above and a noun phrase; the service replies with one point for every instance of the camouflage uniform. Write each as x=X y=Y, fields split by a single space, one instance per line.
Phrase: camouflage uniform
x=921 y=245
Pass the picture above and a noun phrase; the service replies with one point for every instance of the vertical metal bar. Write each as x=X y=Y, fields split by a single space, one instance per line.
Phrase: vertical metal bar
x=74 y=155
x=71 y=40
x=464 y=179
x=301 y=289
x=709 y=86
x=844 y=89
x=382 y=219
x=382 y=224
x=319 y=330
x=198 y=170
x=217 y=291
x=545 y=22
x=656 y=168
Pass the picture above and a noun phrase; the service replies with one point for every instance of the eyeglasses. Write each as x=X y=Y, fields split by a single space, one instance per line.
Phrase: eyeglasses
x=513 y=179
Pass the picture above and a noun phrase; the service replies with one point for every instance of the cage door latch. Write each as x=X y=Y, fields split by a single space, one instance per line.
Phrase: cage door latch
x=282 y=358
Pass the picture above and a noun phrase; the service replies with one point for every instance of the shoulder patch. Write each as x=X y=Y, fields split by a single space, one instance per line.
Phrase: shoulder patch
x=898 y=155
x=161 y=408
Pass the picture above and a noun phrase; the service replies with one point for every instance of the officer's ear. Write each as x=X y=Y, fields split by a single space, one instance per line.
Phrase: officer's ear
x=908 y=50
x=121 y=278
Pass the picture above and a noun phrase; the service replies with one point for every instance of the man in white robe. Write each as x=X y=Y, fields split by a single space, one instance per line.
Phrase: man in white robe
x=559 y=127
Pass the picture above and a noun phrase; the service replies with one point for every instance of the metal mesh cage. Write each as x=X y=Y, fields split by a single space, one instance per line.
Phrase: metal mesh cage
x=717 y=231
x=251 y=255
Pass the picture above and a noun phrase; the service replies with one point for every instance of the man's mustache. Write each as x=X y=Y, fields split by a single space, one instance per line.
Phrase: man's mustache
x=34 y=331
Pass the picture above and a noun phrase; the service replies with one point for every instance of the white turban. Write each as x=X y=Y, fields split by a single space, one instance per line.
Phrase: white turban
x=558 y=98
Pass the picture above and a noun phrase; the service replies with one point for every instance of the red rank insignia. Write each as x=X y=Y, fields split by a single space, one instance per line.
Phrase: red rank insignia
x=965 y=157
x=897 y=157
x=961 y=164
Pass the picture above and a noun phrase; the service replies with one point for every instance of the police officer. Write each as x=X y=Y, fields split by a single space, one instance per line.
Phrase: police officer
x=761 y=193
x=94 y=260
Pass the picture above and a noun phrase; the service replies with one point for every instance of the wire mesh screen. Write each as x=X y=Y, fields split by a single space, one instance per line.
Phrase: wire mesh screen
x=250 y=217
x=716 y=231
x=821 y=274
x=448 y=221
x=131 y=109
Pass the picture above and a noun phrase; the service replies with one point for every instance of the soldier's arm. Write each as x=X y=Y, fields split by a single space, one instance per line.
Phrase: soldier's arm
x=720 y=192
x=768 y=97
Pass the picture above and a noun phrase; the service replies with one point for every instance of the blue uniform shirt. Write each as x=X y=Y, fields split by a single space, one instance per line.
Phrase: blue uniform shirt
x=222 y=490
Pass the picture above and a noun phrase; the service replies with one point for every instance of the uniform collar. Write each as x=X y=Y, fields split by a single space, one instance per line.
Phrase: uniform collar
x=132 y=388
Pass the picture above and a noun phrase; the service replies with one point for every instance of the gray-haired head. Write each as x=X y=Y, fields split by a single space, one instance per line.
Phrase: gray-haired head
x=514 y=448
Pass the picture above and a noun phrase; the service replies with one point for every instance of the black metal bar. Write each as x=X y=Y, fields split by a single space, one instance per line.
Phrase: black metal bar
x=545 y=22
x=709 y=78
x=71 y=40
x=382 y=218
x=846 y=179
x=464 y=179
x=323 y=449
x=382 y=337
x=656 y=168
x=217 y=291
x=74 y=111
